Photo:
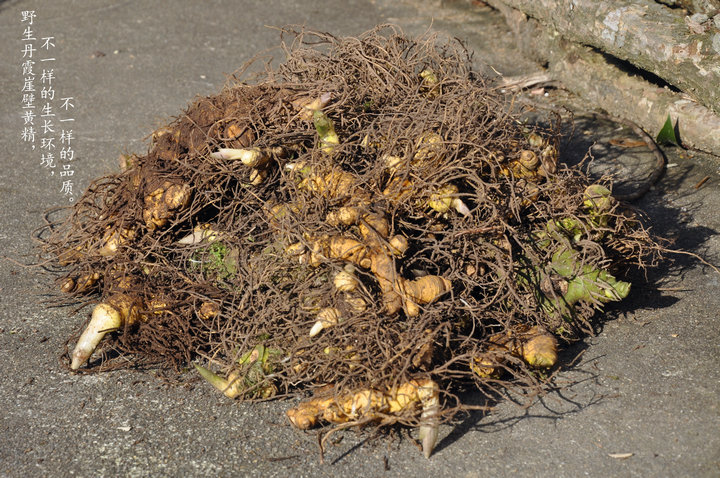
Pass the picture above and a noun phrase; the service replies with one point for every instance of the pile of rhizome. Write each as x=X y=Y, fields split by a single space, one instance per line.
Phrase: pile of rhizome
x=364 y=224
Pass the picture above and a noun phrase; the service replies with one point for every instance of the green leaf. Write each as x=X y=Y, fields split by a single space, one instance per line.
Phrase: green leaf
x=667 y=134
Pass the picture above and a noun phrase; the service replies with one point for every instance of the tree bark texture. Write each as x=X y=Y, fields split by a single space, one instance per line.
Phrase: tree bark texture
x=649 y=35
x=596 y=78
x=589 y=75
x=709 y=7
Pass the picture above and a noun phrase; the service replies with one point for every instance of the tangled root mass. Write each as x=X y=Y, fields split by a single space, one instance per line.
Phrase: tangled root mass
x=388 y=221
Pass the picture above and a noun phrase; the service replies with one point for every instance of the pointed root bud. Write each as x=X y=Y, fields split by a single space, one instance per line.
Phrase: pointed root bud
x=461 y=207
x=203 y=232
x=327 y=317
x=104 y=319
x=225 y=386
x=429 y=398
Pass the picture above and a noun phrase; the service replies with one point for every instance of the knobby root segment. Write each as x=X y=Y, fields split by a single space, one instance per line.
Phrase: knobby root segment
x=374 y=405
x=164 y=202
x=424 y=290
x=534 y=345
x=376 y=252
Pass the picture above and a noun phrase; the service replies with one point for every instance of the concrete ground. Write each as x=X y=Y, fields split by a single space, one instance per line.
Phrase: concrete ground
x=642 y=400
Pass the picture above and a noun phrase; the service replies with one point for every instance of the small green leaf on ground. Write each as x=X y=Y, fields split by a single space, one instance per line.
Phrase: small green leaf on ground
x=667 y=134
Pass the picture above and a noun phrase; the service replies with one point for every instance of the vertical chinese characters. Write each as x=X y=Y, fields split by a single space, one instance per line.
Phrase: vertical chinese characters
x=46 y=115
x=28 y=72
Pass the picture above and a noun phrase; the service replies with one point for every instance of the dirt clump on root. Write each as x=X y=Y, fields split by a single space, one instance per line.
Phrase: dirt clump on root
x=364 y=222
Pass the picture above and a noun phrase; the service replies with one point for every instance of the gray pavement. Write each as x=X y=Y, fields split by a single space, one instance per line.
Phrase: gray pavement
x=647 y=386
